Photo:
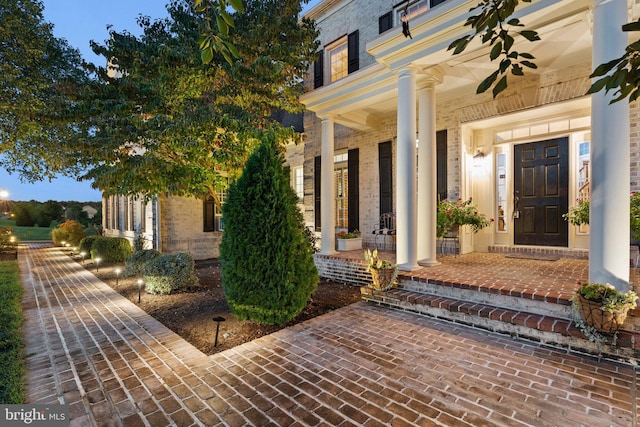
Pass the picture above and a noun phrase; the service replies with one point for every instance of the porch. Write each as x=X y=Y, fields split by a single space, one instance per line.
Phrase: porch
x=522 y=294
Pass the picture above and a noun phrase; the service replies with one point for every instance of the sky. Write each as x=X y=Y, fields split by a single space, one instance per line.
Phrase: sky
x=79 y=21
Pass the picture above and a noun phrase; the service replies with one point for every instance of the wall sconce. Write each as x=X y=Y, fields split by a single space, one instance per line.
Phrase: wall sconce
x=477 y=158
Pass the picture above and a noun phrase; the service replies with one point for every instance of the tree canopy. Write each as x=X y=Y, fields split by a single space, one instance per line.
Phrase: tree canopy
x=156 y=119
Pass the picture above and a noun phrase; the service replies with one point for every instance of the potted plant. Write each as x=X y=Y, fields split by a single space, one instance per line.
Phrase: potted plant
x=452 y=214
x=383 y=272
x=603 y=306
x=349 y=241
x=579 y=215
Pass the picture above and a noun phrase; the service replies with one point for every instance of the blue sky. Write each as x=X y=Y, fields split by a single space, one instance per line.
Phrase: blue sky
x=80 y=21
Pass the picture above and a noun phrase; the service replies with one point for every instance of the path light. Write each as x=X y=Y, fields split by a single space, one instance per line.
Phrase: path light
x=117 y=275
x=97 y=261
x=83 y=254
x=63 y=243
x=74 y=250
x=217 y=319
x=140 y=283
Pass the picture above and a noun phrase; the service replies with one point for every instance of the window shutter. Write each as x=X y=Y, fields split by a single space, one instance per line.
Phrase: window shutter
x=441 y=163
x=353 y=166
x=434 y=3
x=318 y=70
x=385 y=22
x=208 y=213
x=316 y=191
x=353 y=51
x=386 y=177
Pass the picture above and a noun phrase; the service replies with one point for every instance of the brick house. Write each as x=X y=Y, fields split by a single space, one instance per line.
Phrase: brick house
x=383 y=106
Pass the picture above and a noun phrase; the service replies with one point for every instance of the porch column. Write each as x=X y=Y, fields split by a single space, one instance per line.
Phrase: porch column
x=610 y=187
x=427 y=175
x=327 y=187
x=406 y=210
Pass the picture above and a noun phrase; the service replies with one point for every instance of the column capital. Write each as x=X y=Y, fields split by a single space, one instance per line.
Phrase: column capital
x=430 y=77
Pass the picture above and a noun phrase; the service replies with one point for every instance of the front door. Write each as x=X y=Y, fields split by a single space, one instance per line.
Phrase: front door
x=541 y=175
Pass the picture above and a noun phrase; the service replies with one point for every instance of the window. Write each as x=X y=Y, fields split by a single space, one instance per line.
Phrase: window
x=339 y=60
x=501 y=192
x=298 y=181
x=212 y=213
x=414 y=10
x=342 y=194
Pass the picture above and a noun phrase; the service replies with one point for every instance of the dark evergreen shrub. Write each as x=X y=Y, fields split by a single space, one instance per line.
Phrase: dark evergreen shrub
x=86 y=244
x=136 y=263
x=111 y=249
x=169 y=272
x=268 y=272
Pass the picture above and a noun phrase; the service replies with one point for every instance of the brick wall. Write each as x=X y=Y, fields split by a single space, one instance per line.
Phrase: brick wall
x=342 y=270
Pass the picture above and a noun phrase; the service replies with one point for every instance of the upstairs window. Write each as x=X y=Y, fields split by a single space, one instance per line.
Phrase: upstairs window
x=338 y=60
x=342 y=57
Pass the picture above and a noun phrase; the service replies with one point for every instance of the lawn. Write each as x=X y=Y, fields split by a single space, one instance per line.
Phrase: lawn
x=11 y=343
x=27 y=233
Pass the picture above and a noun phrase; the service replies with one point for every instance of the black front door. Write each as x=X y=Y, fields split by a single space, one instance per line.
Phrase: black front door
x=541 y=175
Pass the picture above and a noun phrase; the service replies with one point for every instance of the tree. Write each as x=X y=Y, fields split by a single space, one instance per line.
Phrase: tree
x=158 y=121
x=39 y=74
x=268 y=272
x=22 y=213
x=494 y=23
x=48 y=212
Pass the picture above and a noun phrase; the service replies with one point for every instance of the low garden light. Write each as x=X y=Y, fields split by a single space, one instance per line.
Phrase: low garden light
x=83 y=254
x=117 y=275
x=140 y=283
x=63 y=243
x=217 y=319
x=74 y=250
x=97 y=261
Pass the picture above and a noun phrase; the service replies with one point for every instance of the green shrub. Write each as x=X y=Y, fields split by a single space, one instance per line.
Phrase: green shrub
x=136 y=263
x=87 y=243
x=11 y=344
x=169 y=272
x=111 y=249
x=8 y=241
x=268 y=272
x=69 y=231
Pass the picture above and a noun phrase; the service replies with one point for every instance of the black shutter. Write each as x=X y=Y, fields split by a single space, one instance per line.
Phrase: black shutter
x=385 y=22
x=316 y=191
x=353 y=51
x=441 y=163
x=385 y=172
x=318 y=70
x=208 y=212
x=434 y=3
x=353 y=186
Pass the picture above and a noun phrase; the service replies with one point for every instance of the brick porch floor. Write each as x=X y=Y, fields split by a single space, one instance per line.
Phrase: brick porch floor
x=95 y=351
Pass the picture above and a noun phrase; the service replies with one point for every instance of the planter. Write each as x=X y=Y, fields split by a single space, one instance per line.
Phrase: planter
x=600 y=319
x=350 y=244
x=383 y=278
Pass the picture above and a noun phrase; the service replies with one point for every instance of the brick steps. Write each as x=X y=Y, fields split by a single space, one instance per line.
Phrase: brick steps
x=540 y=327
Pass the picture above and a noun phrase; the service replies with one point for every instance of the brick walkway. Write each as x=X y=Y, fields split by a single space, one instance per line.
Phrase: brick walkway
x=95 y=351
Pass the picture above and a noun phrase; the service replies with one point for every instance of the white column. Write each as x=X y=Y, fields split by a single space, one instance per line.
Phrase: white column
x=406 y=210
x=427 y=175
x=610 y=188
x=327 y=188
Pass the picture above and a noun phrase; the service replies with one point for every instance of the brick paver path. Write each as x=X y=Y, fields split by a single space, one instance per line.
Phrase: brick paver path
x=95 y=351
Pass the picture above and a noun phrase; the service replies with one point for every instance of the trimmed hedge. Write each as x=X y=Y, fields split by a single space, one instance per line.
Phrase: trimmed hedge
x=268 y=271
x=12 y=373
x=111 y=249
x=137 y=262
x=87 y=243
x=169 y=272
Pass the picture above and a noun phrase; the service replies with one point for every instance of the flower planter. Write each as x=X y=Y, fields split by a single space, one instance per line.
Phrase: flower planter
x=603 y=321
x=383 y=278
x=349 y=244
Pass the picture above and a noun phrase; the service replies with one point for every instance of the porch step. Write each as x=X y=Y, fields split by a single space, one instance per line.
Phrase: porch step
x=534 y=251
x=544 y=328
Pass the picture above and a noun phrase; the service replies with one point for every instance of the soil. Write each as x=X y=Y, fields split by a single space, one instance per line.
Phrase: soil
x=190 y=313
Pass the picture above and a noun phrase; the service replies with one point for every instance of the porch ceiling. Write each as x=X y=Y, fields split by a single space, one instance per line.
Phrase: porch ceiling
x=364 y=99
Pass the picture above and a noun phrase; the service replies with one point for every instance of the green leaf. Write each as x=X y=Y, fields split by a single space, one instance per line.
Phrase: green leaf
x=222 y=26
x=527 y=55
x=227 y=18
x=237 y=5
x=516 y=70
x=603 y=69
x=504 y=65
x=530 y=35
x=529 y=64
x=515 y=22
x=598 y=85
x=495 y=52
x=459 y=45
x=486 y=83
x=232 y=49
x=508 y=42
x=206 y=55
x=500 y=86
x=632 y=26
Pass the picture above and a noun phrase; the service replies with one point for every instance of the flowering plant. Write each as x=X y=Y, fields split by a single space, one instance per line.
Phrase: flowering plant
x=612 y=300
x=454 y=213
x=375 y=262
x=579 y=214
x=350 y=235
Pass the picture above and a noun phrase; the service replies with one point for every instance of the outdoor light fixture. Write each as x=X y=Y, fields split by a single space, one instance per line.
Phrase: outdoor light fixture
x=83 y=254
x=217 y=319
x=74 y=250
x=140 y=283
x=97 y=261
x=479 y=154
x=117 y=275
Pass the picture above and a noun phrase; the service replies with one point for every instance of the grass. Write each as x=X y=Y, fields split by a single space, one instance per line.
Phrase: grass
x=12 y=374
x=27 y=233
